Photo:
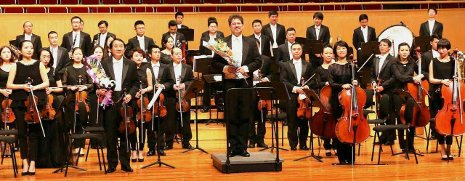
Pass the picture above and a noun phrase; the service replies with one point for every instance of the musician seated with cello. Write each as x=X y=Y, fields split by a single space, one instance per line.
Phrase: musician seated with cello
x=446 y=110
x=404 y=69
x=28 y=80
x=294 y=74
x=145 y=76
x=77 y=83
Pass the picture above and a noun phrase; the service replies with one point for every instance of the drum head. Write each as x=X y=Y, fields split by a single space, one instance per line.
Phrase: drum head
x=397 y=34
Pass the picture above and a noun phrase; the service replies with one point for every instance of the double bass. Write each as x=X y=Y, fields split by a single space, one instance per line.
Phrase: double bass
x=420 y=113
x=450 y=119
x=352 y=127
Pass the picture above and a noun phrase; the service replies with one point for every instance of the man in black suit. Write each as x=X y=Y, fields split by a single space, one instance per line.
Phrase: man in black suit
x=264 y=42
x=431 y=27
x=179 y=16
x=426 y=57
x=284 y=53
x=318 y=32
x=293 y=73
x=124 y=72
x=182 y=75
x=274 y=30
x=173 y=32
x=101 y=38
x=161 y=79
x=59 y=54
x=382 y=80
x=77 y=38
x=361 y=35
x=140 y=40
x=246 y=59
x=212 y=32
x=28 y=35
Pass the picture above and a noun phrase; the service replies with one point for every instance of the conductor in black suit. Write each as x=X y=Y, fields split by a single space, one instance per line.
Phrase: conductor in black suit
x=124 y=72
x=431 y=27
x=28 y=35
x=274 y=30
x=363 y=34
x=284 y=50
x=212 y=32
x=140 y=40
x=263 y=41
x=247 y=58
x=59 y=54
x=173 y=32
x=101 y=38
x=77 y=38
x=318 y=32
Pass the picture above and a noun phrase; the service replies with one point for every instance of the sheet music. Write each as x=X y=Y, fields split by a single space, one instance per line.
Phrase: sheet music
x=155 y=97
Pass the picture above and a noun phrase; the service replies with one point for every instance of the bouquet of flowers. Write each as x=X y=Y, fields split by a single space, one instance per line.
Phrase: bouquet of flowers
x=100 y=78
x=221 y=48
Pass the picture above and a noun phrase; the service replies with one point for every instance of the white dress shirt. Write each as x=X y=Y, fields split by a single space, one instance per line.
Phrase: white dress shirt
x=289 y=44
x=431 y=26
x=317 y=31
x=382 y=58
x=237 y=49
x=102 y=39
x=156 y=69
x=273 y=33
x=54 y=51
x=258 y=37
x=435 y=53
x=141 y=40
x=174 y=39
x=118 y=70
x=365 y=33
x=76 y=39
x=177 y=72
x=298 y=70
x=27 y=37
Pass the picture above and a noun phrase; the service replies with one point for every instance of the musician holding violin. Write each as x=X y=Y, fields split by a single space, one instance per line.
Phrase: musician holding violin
x=295 y=74
x=405 y=71
x=143 y=114
x=162 y=79
x=441 y=75
x=8 y=58
x=28 y=78
x=183 y=75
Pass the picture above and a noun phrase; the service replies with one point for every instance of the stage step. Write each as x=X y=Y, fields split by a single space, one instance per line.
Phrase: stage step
x=257 y=162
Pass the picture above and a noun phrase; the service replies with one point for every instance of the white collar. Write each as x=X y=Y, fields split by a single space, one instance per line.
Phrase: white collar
x=140 y=37
x=156 y=64
x=115 y=61
x=296 y=61
x=317 y=27
x=384 y=56
x=237 y=37
x=258 y=36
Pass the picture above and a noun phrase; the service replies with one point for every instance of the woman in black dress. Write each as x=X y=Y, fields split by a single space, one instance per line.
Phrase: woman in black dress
x=404 y=69
x=76 y=80
x=166 y=53
x=145 y=76
x=340 y=77
x=441 y=72
x=8 y=59
x=322 y=79
x=27 y=69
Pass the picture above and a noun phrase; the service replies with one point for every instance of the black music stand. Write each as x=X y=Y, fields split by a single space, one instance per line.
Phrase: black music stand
x=210 y=79
x=188 y=34
x=159 y=162
x=314 y=46
x=315 y=102
x=368 y=49
x=191 y=92
x=264 y=92
x=423 y=42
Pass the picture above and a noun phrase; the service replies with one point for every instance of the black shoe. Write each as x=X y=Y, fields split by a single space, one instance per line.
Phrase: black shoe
x=31 y=173
x=111 y=169
x=251 y=144
x=450 y=158
x=24 y=173
x=134 y=160
x=389 y=143
x=168 y=147
x=379 y=143
x=232 y=154
x=187 y=146
x=245 y=153
x=140 y=159
x=262 y=145
x=127 y=168
x=293 y=148
x=328 y=153
x=445 y=158
x=304 y=147
x=205 y=109
x=161 y=152
x=151 y=153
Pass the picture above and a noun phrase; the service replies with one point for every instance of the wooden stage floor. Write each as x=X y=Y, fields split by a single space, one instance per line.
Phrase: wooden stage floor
x=195 y=165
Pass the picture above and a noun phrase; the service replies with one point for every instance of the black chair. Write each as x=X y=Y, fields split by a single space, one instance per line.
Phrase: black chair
x=99 y=141
x=428 y=136
x=7 y=132
x=97 y=130
x=384 y=128
x=280 y=117
x=11 y=140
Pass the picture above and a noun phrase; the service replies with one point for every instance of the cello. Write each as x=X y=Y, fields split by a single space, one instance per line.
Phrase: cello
x=450 y=119
x=352 y=127
x=421 y=115
x=323 y=122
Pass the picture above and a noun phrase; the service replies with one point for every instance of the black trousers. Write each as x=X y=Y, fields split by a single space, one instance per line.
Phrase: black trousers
x=411 y=131
x=257 y=135
x=389 y=106
x=297 y=128
x=75 y=120
x=174 y=123
x=111 y=122
x=27 y=147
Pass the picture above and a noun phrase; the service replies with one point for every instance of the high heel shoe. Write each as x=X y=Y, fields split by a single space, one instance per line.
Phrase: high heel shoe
x=32 y=165
x=24 y=173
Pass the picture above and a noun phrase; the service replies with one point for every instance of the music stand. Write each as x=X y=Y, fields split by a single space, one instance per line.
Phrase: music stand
x=188 y=34
x=315 y=102
x=192 y=92
x=210 y=79
x=423 y=43
x=264 y=92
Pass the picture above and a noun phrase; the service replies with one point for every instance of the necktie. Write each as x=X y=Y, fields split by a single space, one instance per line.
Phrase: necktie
x=74 y=41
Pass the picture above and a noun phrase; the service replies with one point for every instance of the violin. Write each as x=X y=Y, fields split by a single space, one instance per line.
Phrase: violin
x=450 y=119
x=48 y=112
x=144 y=115
x=127 y=126
x=32 y=113
x=184 y=105
x=323 y=122
x=303 y=111
x=159 y=108
x=421 y=115
x=81 y=97
x=8 y=115
x=352 y=127
x=263 y=104
x=184 y=51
